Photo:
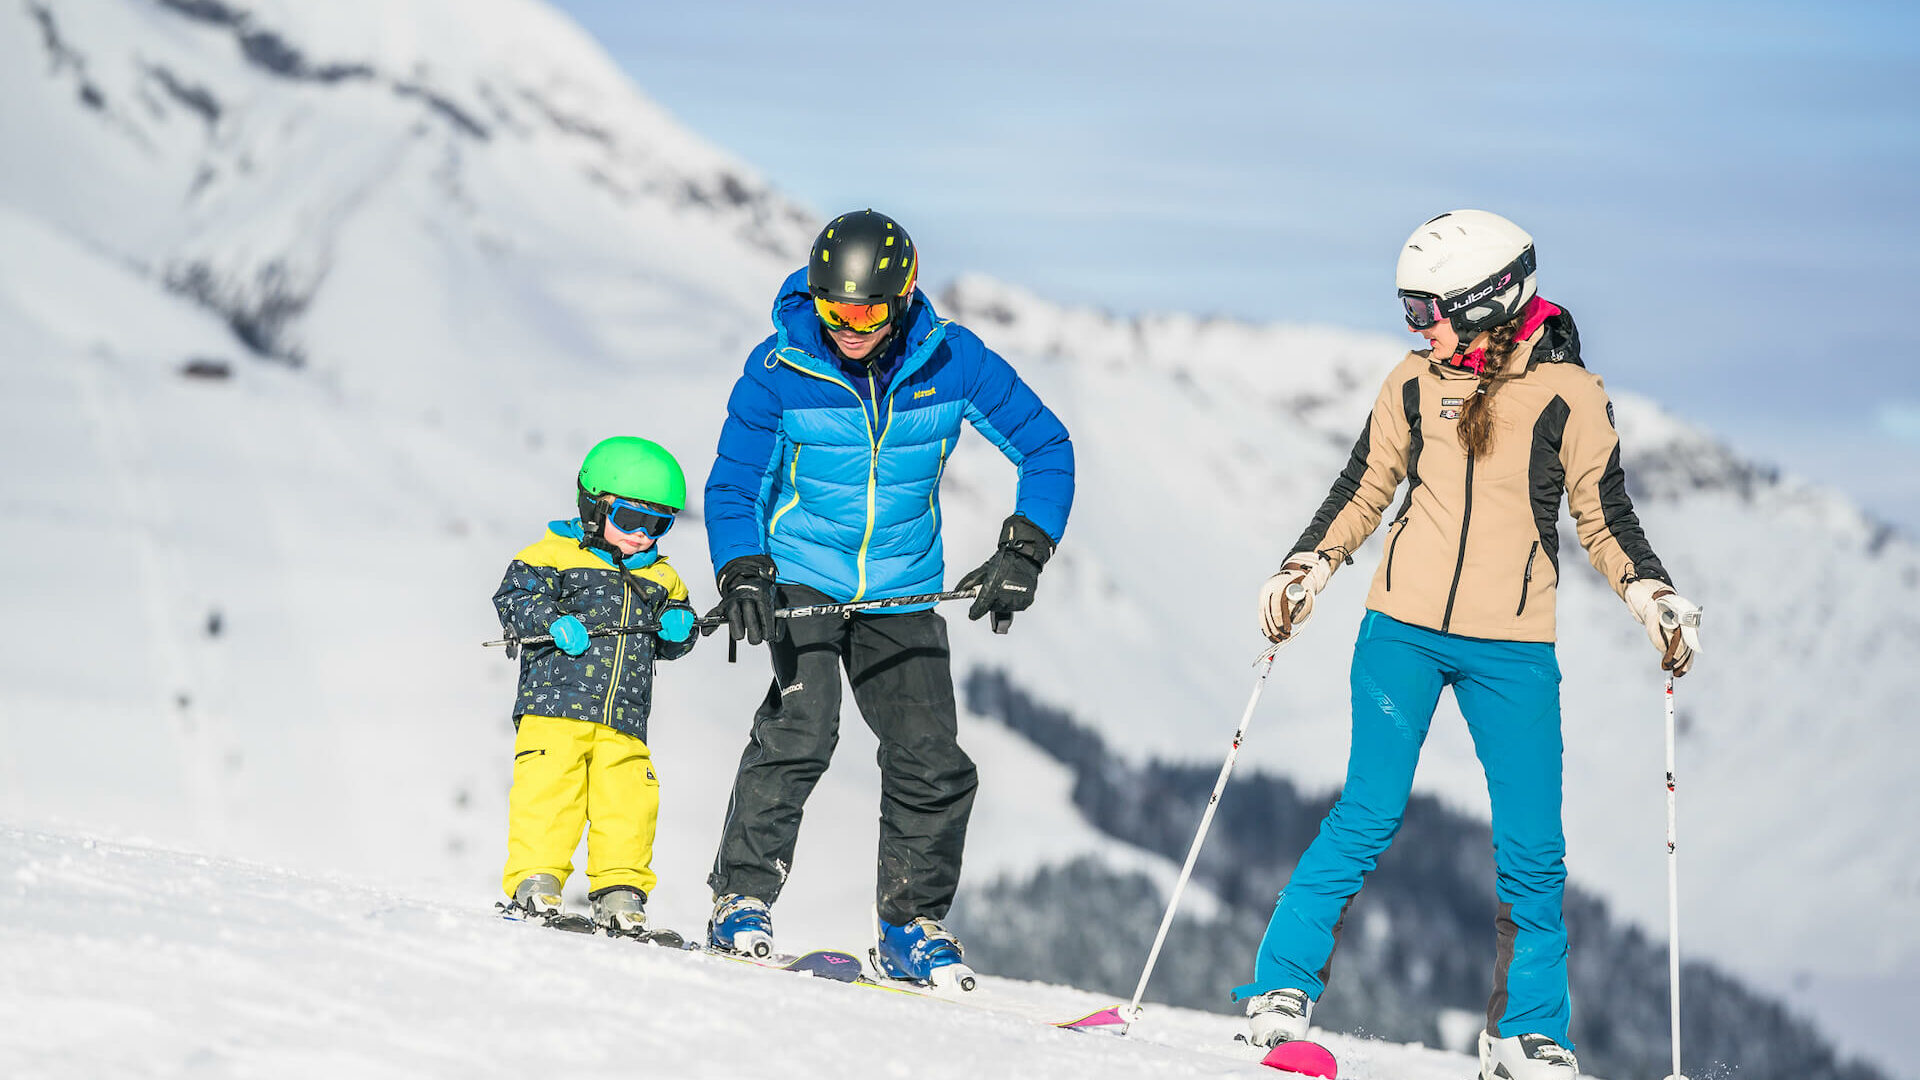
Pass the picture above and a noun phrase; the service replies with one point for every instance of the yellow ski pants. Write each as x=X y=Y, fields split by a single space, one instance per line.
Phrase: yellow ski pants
x=570 y=773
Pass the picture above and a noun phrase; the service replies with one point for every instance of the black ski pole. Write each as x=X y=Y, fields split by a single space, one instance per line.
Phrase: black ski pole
x=512 y=641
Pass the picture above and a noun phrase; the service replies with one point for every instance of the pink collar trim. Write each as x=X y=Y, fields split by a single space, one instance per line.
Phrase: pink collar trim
x=1539 y=310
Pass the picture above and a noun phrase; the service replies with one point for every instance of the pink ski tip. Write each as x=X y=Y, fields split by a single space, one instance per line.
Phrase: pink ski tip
x=1093 y=1021
x=1303 y=1057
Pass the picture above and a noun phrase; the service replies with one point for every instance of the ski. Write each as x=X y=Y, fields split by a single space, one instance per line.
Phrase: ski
x=556 y=920
x=575 y=923
x=1301 y=1057
x=820 y=963
x=668 y=939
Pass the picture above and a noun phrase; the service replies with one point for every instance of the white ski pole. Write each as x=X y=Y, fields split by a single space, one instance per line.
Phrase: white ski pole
x=1673 y=894
x=1295 y=593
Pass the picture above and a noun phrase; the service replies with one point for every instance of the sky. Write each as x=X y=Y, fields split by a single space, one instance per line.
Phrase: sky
x=1720 y=192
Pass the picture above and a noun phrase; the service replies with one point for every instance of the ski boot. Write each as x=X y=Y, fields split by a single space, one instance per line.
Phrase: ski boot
x=537 y=896
x=740 y=924
x=620 y=910
x=1525 y=1057
x=921 y=951
x=1278 y=1016
x=537 y=899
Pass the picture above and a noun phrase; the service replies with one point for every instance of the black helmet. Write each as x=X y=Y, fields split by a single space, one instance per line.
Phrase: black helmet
x=863 y=258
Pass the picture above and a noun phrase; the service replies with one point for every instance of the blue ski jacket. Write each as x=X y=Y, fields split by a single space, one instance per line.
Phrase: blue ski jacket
x=836 y=475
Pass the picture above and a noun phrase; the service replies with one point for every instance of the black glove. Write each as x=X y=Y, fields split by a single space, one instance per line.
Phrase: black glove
x=1006 y=581
x=746 y=600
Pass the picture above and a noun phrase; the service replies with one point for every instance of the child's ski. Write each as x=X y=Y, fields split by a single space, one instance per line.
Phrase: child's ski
x=557 y=920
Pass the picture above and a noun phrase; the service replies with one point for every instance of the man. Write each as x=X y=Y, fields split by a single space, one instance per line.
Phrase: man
x=825 y=488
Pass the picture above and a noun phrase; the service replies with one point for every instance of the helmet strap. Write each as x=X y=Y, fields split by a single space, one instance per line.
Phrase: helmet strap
x=593 y=520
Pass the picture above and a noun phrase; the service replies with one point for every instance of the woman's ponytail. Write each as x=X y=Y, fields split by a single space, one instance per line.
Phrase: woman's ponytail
x=1476 y=418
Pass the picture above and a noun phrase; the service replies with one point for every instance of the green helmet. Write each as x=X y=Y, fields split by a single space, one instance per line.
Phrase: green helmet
x=632 y=468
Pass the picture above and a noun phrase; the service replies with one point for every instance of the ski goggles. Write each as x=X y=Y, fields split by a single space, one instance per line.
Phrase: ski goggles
x=859 y=318
x=1422 y=310
x=637 y=517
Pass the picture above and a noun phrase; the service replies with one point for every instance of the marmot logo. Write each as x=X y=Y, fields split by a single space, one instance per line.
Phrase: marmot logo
x=918 y=394
x=791 y=689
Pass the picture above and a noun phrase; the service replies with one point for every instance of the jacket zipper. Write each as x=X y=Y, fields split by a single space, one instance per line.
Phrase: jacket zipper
x=933 y=497
x=1460 y=561
x=1526 y=583
x=793 y=481
x=1402 y=526
x=619 y=648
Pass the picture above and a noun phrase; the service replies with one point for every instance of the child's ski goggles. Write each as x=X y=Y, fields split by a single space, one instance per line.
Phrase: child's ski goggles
x=859 y=318
x=637 y=517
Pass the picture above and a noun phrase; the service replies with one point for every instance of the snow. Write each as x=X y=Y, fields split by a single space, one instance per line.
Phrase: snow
x=442 y=322
x=141 y=961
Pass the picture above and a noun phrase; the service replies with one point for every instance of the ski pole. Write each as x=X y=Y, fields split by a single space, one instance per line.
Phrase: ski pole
x=708 y=624
x=1671 y=622
x=801 y=612
x=1297 y=594
x=513 y=641
x=1673 y=893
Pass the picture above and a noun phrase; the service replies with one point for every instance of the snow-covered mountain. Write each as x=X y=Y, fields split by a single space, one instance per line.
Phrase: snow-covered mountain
x=308 y=312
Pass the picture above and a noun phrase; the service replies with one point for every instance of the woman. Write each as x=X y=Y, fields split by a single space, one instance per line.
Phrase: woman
x=1488 y=426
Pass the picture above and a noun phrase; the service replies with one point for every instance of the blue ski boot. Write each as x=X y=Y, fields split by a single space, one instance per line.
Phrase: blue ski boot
x=922 y=951
x=740 y=924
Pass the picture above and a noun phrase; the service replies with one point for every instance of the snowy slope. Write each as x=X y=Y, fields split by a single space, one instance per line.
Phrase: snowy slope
x=137 y=961
x=445 y=246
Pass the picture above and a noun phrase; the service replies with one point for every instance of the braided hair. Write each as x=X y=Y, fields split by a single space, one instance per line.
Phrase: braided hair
x=1476 y=418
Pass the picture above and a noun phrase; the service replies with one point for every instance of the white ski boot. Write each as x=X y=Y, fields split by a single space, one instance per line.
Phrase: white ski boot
x=620 y=910
x=1525 y=1057
x=538 y=895
x=1278 y=1016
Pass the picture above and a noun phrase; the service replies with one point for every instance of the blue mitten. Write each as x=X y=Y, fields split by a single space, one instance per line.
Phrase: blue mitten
x=676 y=625
x=569 y=635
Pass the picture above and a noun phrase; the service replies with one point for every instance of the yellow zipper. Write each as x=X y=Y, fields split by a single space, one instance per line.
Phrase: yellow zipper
x=873 y=458
x=793 y=481
x=933 y=497
x=873 y=470
x=620 y=644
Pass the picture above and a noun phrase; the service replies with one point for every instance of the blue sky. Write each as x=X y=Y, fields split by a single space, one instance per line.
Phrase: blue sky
x=1724 y=194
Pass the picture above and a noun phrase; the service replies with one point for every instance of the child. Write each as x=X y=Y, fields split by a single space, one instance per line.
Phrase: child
x=580 y=755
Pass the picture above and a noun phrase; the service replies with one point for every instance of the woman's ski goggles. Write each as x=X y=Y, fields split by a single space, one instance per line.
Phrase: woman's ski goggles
x=859 y=318
x=1422 y=310
x=637 y=517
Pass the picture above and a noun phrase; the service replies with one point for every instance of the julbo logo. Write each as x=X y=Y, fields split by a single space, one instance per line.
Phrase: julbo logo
x=1498 y=286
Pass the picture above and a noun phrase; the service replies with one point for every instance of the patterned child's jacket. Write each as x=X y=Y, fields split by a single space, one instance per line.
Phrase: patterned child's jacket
x=612 y=682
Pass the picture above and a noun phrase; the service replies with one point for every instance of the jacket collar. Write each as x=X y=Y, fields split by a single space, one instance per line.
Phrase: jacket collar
x=572 y=530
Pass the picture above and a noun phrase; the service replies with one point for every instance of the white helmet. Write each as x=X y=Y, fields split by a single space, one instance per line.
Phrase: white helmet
x=1473 y=268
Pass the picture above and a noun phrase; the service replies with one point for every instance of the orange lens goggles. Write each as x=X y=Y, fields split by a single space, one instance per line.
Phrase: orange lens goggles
x=859 y=318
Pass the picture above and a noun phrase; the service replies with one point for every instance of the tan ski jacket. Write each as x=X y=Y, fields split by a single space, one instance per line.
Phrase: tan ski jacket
x=1474 y=547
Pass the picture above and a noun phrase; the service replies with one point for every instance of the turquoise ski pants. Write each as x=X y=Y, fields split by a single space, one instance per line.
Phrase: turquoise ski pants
x=1509 y=693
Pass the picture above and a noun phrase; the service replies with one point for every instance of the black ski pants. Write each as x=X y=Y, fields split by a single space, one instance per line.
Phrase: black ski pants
x=901 y=672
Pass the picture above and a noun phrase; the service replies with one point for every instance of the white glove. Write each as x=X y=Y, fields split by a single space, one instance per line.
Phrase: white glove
x=1286 y=600
x=1672 y=622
